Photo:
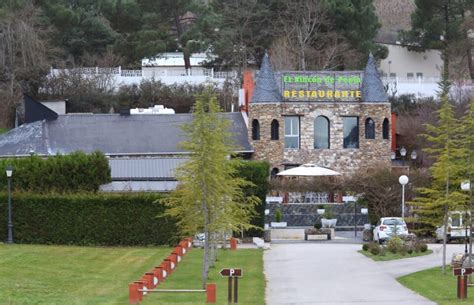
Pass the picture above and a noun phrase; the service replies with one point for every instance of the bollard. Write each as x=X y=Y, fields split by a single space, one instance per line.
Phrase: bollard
x=166 y=268
x=177 y=253
x=158 y=271
x=233 y=244
x=147 y=282
x=152 y=279
x=462 y=287
x=141 y=285
x=210 y=293
x=133 y=293
x=190 y=241
x=171 y=264
x=173 y=260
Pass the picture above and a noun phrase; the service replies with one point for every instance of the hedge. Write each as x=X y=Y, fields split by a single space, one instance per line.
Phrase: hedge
x=88 y=219
x=257 y=172
x=75 y=172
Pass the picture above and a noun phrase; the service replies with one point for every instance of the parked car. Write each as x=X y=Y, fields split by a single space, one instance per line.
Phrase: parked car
x=390 y=226
x=458 y=226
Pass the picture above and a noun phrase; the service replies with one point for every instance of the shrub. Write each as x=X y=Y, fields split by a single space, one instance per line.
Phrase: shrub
x=423 y=247
x=62 y=173
x=89 y=219
x=395 y=245
x=409 y=250
x=374 y=248
x=317 y=225
x=328 y=214
x=278 y=215
x=365 y=247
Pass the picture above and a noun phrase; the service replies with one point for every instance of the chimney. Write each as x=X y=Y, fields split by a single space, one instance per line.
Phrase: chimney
x=248 y=86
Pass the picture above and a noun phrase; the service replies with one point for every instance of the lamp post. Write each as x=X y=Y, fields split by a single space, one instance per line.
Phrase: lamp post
x=466 y=186
x=9 y=172
x=403 y=180
x=403 y=153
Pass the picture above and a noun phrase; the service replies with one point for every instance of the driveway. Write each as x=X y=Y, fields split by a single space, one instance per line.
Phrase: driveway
x=325 y=273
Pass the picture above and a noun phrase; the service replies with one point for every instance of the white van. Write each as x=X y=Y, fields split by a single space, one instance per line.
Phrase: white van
x=458 y=226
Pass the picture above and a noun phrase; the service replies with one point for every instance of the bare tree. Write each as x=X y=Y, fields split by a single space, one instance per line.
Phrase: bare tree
x=22 y=56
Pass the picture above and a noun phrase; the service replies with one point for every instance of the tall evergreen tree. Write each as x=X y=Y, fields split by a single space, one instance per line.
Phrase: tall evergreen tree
x=210 y=198
x=433 y=203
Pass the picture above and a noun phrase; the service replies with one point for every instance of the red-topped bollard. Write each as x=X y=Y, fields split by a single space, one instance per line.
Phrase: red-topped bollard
x=153 y=280
x=147 y=281
x=233 y=243
x=210 y=293
x=166 y=268
x=133 y=293
x=172 y=264
x=178 y=252
x=158 y=272
x=141 y=286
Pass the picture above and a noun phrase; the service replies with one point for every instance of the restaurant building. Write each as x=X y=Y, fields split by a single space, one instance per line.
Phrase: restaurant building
x=339 y=120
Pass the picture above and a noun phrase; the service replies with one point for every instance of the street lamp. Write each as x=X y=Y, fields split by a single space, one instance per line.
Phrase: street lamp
x=466 y=186
x=9 y=172
x=403 y=180
x=403 y=153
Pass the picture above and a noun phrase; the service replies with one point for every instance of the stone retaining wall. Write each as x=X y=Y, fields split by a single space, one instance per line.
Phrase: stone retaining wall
x=306 y=215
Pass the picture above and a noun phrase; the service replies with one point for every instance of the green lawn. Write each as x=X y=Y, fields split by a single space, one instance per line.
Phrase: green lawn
x=188 y=275
x=3 y=130
x=391 y=256
x=432 y=284
x=33 y=274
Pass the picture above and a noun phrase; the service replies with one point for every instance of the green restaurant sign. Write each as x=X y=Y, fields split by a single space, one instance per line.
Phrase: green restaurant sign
x=321 y=86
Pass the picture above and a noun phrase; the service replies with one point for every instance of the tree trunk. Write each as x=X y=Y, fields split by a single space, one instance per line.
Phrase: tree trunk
x=445 y=237
x=205 y=265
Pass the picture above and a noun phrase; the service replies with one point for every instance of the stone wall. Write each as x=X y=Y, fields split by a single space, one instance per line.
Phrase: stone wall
x=371 y=152
x=306 y=215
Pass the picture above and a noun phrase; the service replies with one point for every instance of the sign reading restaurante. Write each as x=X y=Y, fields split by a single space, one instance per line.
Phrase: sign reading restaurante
x=321 y=86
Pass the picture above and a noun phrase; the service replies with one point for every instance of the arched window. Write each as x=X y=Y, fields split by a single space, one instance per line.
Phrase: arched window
x=255 y=130
x=321 y=132
x=369 y=129
x=385 y=129
x=274 y=131
x=274 y=173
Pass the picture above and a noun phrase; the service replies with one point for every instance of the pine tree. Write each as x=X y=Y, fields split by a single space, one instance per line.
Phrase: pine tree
x=433 y=203
x=209 y=198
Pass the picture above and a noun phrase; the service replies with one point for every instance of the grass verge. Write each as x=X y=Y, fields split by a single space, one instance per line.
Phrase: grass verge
x=34 y=274
x=188 y=276
x=388 y=256
x=432 y=284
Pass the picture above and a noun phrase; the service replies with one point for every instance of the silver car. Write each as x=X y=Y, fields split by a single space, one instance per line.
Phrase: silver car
x=388 y=227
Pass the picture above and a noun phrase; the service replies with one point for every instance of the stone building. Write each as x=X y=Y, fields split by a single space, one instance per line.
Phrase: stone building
x=339 y=120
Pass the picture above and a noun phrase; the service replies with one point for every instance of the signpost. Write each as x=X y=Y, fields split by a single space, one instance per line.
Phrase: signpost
x=462 y=274
x=233 y=288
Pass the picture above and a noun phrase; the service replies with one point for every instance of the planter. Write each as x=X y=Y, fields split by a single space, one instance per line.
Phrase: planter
x=328 y=223
x=320 y=211
x=278 y=224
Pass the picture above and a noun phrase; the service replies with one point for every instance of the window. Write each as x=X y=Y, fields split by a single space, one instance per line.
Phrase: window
x=419 y=75
x=255 y=130
x=321 y=132
x=292 y=132
x=274 y=173
x=369 y=129
x=385 y=129
x=274 y=131
x=351 y=132
x=409 y=75
x=393 y=74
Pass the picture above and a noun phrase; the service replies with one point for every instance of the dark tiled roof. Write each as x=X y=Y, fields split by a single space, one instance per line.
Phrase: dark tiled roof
x=144 y=168
x=266 y=88
x=372 y=88
x=110 y=133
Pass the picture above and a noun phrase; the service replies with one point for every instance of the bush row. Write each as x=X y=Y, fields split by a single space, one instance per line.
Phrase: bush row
x=88 y=219
x=396 y=245
x=62 y=173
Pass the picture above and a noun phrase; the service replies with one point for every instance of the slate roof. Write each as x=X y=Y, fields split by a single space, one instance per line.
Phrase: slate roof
x=112 y=134
x=372 y=88
x=266 y=88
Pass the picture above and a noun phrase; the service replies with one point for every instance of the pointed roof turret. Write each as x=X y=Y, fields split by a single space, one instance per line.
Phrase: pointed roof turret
x=372 y=88
x=266 y=88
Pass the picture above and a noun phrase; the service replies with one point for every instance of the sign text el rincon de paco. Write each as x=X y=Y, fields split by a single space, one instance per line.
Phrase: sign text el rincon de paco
x=321 y=86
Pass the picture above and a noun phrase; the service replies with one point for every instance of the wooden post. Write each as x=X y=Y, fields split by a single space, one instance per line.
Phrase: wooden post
x=233 y=243
x=133 y=293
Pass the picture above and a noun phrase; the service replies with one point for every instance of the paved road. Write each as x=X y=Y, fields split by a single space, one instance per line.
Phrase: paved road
x=323 y=274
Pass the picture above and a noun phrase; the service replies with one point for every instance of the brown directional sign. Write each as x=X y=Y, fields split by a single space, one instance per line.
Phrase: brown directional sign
x=462 y=271
x=231 y=272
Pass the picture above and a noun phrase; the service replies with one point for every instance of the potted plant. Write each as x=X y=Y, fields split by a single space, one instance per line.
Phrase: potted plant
x=320 y=209
x=328 y=220
x=278 y=223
